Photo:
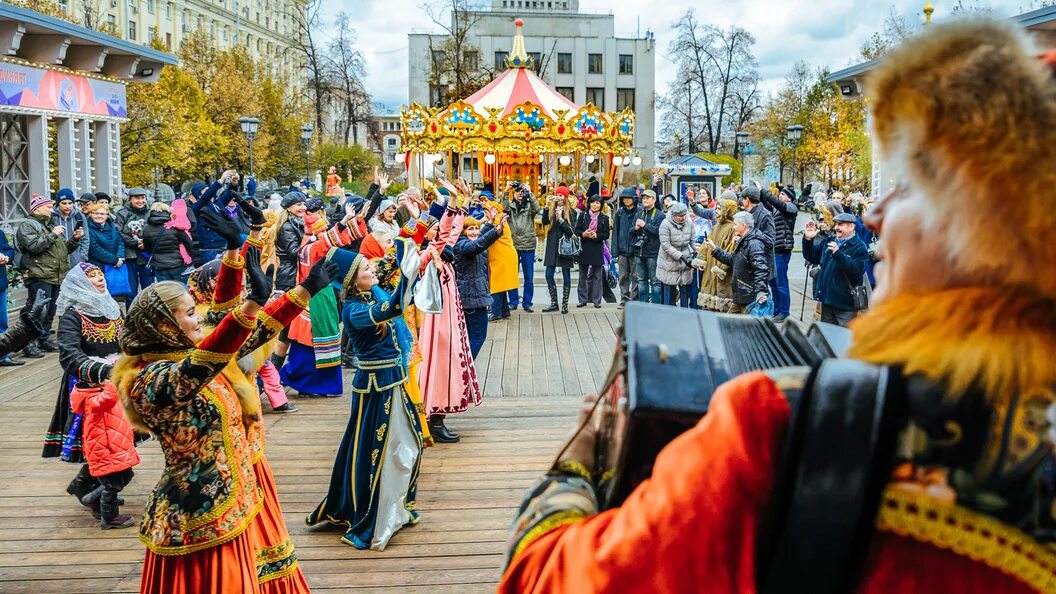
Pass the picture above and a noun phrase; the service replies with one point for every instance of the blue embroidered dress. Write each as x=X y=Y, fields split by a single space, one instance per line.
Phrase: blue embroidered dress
x=375 y=476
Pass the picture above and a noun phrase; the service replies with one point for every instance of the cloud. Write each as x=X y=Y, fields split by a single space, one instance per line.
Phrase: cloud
x=825 y=33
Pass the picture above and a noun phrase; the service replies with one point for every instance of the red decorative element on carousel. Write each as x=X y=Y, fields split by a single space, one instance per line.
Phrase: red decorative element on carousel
x=492 y=128
x=560 y=129
x=433 y=127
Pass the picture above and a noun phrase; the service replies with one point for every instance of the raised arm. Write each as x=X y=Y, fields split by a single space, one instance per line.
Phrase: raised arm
x=363 y=315
x=280 y=312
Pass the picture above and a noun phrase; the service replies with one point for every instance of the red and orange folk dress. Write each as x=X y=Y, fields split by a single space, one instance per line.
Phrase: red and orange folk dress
x=197 y=524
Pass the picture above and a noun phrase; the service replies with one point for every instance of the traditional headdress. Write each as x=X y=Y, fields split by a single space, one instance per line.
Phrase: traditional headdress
x=151 y=327
x=78 y=292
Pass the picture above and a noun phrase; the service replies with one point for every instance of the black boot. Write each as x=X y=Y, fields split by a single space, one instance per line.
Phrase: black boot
x=93 y=500
x=109 y=510
x=567 y=290
x=46 y=345
x=440 y=433
x=553 y=298
x=82 y=484
x=31 y=351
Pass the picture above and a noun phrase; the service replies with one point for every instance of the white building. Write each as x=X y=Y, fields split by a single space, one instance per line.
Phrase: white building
x=268 y=28
x=576 y=53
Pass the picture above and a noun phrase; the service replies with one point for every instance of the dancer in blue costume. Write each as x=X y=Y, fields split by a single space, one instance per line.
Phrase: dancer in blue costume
x=375 y=476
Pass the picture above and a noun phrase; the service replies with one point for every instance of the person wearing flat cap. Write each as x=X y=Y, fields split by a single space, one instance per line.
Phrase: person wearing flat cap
x=843 y=262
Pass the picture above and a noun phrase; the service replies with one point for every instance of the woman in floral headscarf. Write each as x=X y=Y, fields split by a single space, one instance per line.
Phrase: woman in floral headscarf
x=89 y=326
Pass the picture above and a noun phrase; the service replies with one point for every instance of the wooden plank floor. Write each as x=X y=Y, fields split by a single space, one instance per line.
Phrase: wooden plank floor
x=535 y=369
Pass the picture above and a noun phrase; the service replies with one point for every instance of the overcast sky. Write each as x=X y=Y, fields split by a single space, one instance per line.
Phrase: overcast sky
x=822 y=32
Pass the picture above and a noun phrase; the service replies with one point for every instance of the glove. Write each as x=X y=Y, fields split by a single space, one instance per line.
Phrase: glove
x=718 y=272
x=32 y=315
x=260 y=283
x=224 y=227
x=320 y=275
x=687 y=261
x=256 y=216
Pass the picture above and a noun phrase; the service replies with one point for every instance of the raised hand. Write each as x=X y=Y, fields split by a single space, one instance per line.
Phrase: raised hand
x=256 y=215
x=260 y=283
x=222 y=226
x=319 y=276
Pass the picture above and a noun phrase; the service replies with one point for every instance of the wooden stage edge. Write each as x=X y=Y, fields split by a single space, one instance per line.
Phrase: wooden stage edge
x=534 y=369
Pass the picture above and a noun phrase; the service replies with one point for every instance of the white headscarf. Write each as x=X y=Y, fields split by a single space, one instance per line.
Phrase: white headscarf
x=78 y=292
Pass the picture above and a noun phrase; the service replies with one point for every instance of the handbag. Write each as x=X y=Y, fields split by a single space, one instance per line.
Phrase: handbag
x=569 y=246
x=116 y=280
x=762 y=310
x=427 y=295
x=861 y=293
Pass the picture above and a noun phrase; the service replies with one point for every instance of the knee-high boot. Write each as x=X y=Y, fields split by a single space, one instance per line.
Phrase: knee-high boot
x=82 y=484
x=566 y=291
x=552 y=287
x=110 y=516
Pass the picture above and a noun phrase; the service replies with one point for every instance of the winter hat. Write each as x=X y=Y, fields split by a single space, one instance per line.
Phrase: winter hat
x=137 y=192
x=197 y=189
x=629 y=193
x=89 y=268
x=292 y=198
x=789 y=192
x=103 y=197
x=844 y=217
x=562 y=190
x=751 y=193
x=313 y=204
x=313 y=223
x=65 y=194
x=39 y=200
x=347 y=264
x=728 y=195
x=985 y=69
x=385 y=205
x=678 y=209
x=84 y=198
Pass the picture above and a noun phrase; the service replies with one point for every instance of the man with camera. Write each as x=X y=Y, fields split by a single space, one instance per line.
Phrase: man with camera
x=625 y=237
x=522 y=209
x=647 y=247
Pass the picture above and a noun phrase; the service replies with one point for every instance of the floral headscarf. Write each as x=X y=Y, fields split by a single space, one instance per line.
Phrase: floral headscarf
x=150 y=327
x=78 y=292
x=200 y=283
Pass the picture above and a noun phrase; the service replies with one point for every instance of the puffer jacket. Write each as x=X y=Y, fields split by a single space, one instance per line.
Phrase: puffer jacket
x=164 y=244
x=472 y=272
x=106 y=246
x=784 y=215
x=675 y=244
x=287 y=247
x=764 y=224
x=45 y=256
x=522 y=222
x=106 y=433
x=749 y=263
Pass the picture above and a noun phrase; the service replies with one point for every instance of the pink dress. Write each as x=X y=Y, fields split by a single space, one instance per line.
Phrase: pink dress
x=447 y=377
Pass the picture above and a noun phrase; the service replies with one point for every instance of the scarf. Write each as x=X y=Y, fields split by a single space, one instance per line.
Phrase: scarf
x=181 y=223
x=594 y=216
x=201 y=282
x=326 y=332
x=151 y=328
x=78 y=292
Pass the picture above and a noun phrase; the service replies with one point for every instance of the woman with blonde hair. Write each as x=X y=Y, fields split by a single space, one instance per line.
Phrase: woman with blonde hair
x=716 y=290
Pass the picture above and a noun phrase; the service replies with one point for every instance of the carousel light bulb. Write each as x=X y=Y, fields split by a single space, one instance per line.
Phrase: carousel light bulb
x=565 y=160
x=400 y=157
x=636 y=161
x=590 y=158
x=617 y=160
x=489 y=159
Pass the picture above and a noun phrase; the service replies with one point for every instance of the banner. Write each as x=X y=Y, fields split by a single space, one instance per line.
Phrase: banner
x=26 y=86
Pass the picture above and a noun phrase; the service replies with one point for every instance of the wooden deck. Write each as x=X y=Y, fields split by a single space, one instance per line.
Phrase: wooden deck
x=535 y=369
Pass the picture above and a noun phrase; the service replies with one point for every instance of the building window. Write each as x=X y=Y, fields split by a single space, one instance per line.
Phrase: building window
x=150 y=35
x=594 y=62
x=471 y=60
x=596 y=95
x=131 y=30
x=568 y=92
x=150 y=6
x=500 y=60
x=626 y=64
x=624 y=98
x=564 y=63
x=168 y=10
x=168 y=41
x=390 y=142
x=537 y=59
x=112 y=21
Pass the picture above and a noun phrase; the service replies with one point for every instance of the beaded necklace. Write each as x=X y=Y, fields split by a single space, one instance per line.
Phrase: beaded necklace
x=106 y=332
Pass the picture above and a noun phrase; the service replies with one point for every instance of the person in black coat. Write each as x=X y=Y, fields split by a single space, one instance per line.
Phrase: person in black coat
x=843 y=261
x=624 y=237
x=647 y=248
x=472 y=276
x=748 y=262
x=163 y=241
x=592 y=227
x=784 y=212
x=751 y=199
x=289 y=239
x=557 y=218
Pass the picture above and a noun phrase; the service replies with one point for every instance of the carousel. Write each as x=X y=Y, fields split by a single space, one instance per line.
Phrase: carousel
x=517 y=128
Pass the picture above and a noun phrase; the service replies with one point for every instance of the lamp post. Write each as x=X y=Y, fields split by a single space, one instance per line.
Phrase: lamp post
x=306 y=136
x=742 y=142
x=249 y=128
x=794 y=134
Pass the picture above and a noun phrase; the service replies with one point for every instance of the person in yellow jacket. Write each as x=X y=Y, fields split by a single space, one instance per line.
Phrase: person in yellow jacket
x=502 y=260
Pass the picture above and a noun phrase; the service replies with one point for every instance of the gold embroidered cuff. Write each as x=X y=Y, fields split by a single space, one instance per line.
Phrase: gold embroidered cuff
x=255 y=242
x=226 y=305
x=200 y=356
x=573 y=467
x=269 y=322
x=237 y=263
x=296 y=299
x=244 y=320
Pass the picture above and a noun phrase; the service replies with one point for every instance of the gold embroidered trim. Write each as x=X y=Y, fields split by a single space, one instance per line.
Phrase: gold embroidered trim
x=173 y=356
x=550 y=524
x=255 y=242
x=269 y=322
x=279 y=574
x=237 y=263
x=244 y=320
x=201 y=546
x=226 y=305
x=278 y=552
x=969 y=534
x=380 y=364
x=203 y=356
x=573 y=467
x=296 y=299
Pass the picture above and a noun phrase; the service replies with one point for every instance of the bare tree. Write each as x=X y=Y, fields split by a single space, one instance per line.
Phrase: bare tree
x=680 y=109
x=346 y=70
x=307 y=23
x=457 y=69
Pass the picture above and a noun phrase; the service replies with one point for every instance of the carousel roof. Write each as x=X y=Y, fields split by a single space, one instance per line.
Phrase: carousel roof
x=516 y=86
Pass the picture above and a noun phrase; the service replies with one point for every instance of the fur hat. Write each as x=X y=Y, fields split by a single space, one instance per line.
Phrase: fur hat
x=964 y=113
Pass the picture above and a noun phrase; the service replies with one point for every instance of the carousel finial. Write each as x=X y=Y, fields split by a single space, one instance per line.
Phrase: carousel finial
x=518 y=58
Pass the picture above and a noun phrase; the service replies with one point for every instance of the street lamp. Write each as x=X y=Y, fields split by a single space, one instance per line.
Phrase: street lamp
x=742 y=142
x=249 y=128
x=794 y=134
x=306 y=136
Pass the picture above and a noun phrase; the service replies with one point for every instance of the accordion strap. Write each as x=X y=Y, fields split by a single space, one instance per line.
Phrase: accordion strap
x=837 y=457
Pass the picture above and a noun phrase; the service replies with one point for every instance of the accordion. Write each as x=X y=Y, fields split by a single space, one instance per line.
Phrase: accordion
x=668 y=363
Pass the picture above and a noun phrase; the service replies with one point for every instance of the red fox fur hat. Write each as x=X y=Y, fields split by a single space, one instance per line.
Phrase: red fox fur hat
x=965 y=114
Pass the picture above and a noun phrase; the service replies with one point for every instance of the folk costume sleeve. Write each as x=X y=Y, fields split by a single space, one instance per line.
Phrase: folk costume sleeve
x=709 y=491
x=72 y=357
x=366 y=315
x=227 y=292
x=271 y=320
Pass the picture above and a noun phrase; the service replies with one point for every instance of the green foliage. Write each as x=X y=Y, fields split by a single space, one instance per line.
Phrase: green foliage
x=734 y=176
x=395 y=188
x=352 y=161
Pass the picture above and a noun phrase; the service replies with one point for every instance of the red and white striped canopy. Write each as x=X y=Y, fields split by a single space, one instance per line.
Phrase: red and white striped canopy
x=515 y=86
